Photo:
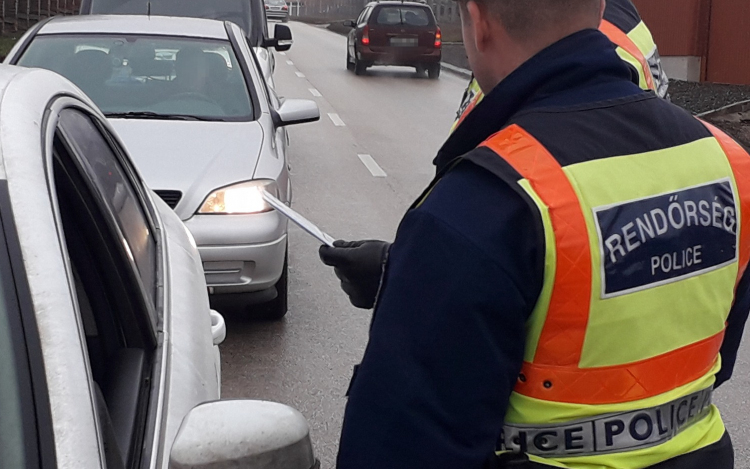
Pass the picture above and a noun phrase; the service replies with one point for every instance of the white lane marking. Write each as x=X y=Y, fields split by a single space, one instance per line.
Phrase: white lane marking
x=315 y=92
x=300 y=74
x=282 y=53
x=372 y=166
x=289 y=62
x=336 y=119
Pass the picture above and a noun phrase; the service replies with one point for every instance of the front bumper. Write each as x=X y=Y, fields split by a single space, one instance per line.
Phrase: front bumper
x=240 y=253
x=277 y=15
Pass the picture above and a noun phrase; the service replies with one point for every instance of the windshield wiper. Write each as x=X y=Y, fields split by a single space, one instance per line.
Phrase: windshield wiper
x=155 y=115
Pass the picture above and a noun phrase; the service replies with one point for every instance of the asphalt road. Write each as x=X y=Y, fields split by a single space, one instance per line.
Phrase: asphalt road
x=400 y=121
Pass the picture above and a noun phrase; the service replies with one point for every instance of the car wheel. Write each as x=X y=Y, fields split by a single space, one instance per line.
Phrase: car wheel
x=285 y=19
x=359 y=67
x=433 y=71
x=349 y=63
x=276 y=309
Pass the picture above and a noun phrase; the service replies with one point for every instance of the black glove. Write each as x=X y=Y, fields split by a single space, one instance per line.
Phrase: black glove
x=359 y=266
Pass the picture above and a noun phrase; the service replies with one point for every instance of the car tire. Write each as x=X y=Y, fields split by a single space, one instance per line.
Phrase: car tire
x=277 y=308
x=433 y=71
x=359 y=66
x=285 y=19
x=349 y=63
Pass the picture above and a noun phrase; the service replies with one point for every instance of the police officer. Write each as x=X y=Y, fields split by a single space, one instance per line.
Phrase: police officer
x=571 y=287
x=634 y=43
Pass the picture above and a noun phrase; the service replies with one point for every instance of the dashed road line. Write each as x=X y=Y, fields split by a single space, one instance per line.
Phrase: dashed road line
x=315 y=92
x=336 y=119
x=282 y=53
x=300 y=74
x=372 y=166
x=289 y=62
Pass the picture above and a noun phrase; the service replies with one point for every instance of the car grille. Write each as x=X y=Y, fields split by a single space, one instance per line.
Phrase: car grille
x=172 y=198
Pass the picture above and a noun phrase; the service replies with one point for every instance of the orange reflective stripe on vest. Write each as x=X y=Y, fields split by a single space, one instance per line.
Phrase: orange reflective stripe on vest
x=565 y=328
x=555 y=374
x=740 y=162
x=621 y=39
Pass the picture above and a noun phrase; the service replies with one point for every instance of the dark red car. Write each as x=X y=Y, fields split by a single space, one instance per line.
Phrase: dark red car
x=395 y=33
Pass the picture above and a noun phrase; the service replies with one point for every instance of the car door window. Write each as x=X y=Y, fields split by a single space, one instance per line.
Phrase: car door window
x=365 y=16
x=26 y=439
x=361 y=16
x=117 y=191
x=112 y=250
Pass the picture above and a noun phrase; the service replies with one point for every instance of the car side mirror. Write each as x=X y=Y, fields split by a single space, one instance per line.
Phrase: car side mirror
x=296 y=111
x=243 y=433
x=350 y=24
x=281 y=40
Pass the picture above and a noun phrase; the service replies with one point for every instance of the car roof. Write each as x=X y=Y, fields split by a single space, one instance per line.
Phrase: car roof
x=136 y=24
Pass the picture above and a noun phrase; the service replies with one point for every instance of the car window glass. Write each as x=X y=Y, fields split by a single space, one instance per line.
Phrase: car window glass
x=236 y=11
x=13 y=392
x=26 y=438
x=403 y=16
x=157 y=76
x=113 y=309
x=117 y=191
x=365 y=16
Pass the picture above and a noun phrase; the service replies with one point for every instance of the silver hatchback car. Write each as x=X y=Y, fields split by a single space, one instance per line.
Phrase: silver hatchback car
x=191 y=105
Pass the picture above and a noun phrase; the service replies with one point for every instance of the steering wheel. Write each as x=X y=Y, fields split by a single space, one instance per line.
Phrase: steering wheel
x=194 y=95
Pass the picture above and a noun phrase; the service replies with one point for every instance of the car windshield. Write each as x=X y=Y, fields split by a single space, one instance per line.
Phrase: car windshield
x=149 y=77
x=404 y=16
x=236 y=11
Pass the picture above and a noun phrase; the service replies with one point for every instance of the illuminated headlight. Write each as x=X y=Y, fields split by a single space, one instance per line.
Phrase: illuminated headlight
x=242 y=198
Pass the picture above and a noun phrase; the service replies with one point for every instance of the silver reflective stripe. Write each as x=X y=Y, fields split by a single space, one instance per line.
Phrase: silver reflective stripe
x=611 y=433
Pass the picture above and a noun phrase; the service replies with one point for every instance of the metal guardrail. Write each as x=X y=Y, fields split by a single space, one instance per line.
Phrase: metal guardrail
x=19 y=15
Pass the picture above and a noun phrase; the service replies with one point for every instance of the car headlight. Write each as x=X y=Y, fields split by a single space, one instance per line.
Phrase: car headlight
x=242 y=198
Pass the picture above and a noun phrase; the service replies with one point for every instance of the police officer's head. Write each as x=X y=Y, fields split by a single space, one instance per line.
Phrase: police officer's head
x=500 y=35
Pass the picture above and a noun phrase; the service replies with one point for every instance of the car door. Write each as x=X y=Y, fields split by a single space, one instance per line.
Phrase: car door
x=115 y=268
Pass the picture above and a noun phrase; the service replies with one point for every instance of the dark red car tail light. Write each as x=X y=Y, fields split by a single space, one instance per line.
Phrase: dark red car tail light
x=285 y=7
x=366 y=35
x=438 y=39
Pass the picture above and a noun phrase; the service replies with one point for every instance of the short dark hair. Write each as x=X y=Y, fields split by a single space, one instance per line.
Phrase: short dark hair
x=523 y=17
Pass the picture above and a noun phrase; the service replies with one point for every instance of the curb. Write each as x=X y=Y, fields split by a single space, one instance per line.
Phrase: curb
x=457 y=70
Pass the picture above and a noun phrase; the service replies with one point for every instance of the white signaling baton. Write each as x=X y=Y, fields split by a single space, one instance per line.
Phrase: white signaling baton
x=301 y=221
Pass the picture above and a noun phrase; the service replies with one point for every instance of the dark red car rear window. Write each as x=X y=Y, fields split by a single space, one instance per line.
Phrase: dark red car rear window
x=404 y=16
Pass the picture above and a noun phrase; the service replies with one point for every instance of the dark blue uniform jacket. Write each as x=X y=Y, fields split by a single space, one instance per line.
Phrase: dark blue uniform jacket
x=447 y=336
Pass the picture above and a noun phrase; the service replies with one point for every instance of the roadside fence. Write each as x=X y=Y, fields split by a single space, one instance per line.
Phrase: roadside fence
x=446 y=11
x=19 y=15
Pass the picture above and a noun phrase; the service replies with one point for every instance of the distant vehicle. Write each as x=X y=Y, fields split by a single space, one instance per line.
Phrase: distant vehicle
x=277 y=10
x=250 y=15
x=395 y=33
x=206 y=132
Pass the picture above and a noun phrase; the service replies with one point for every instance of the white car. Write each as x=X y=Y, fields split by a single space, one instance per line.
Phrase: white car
x=205 y=131
x=108 y=349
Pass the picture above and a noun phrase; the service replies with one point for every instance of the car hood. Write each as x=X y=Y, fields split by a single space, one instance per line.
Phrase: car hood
x=194 y=158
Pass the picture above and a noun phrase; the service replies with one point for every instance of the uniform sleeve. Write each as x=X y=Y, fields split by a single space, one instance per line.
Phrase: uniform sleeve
x=447 y=337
